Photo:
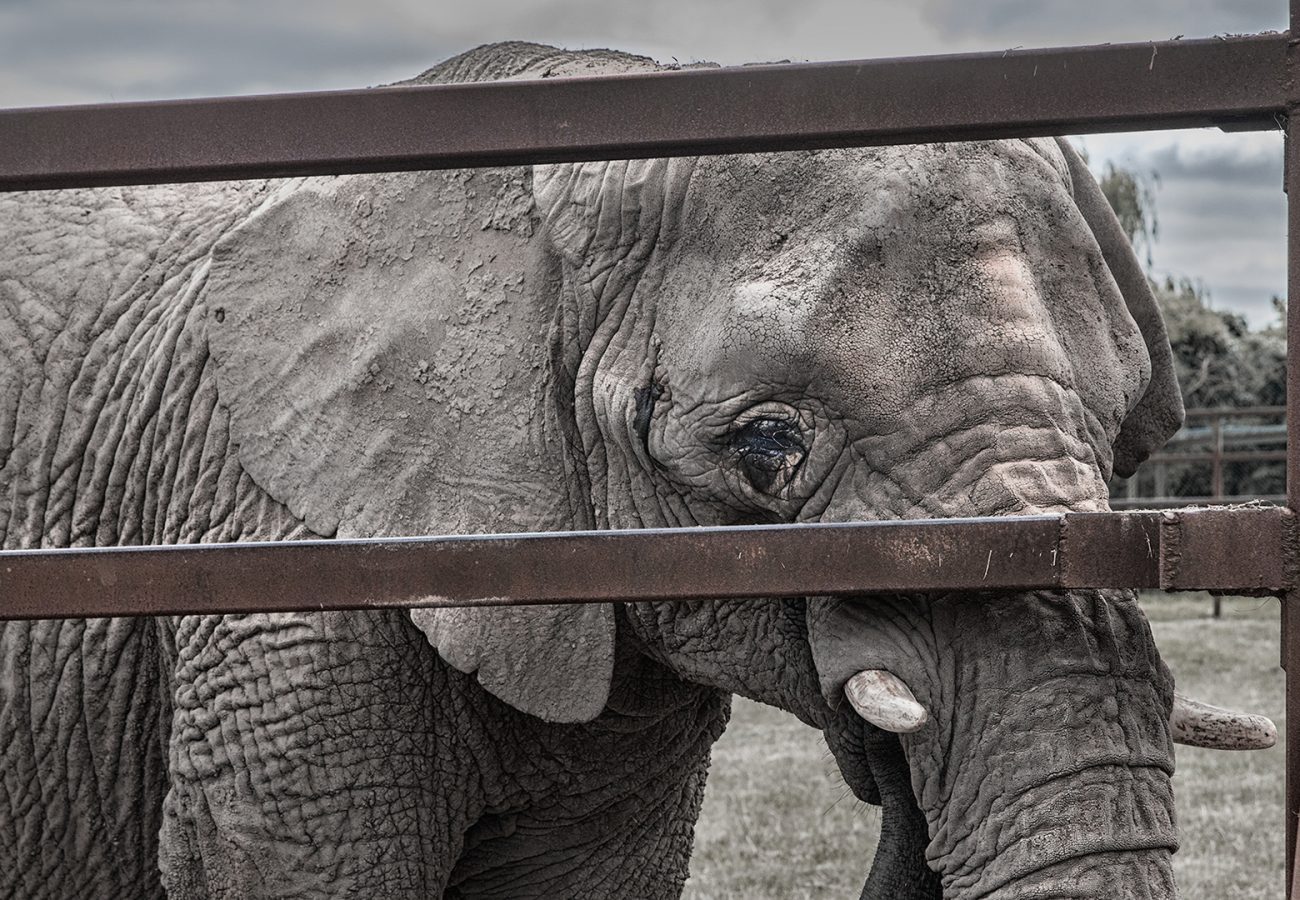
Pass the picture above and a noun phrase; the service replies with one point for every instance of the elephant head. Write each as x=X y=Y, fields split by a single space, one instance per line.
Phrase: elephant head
x=940 y=330
x=901 y=333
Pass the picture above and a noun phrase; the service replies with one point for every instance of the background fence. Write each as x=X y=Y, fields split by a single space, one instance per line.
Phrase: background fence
x=1231 y=455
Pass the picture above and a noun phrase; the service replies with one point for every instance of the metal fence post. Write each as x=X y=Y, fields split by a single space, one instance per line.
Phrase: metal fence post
x=1216 y=473
x=1290 y=616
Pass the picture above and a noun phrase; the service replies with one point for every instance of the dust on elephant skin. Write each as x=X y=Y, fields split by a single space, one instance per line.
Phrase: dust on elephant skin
x=819 y=336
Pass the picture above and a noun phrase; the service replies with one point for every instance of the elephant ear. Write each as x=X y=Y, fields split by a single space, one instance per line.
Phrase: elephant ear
x=1159 y=411
x=381 y=344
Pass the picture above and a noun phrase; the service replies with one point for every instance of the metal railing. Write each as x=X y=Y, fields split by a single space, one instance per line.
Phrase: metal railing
x=1236 y=83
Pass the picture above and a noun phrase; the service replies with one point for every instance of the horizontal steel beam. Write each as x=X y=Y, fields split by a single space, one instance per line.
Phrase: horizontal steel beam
x=1233 y=412
x=1180 y=550
x=1208 y=456
x=1237 y=82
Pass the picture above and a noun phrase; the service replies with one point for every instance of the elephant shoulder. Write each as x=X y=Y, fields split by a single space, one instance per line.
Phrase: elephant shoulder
x=92 y=284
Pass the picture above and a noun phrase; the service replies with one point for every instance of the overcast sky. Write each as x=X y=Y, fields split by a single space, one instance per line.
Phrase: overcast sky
x=1219 y=198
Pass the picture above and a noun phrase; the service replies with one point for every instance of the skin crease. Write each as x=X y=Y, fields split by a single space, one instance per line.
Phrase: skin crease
x=829 y=336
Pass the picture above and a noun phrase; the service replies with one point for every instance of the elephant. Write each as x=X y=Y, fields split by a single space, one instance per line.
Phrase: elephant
x=836 y=335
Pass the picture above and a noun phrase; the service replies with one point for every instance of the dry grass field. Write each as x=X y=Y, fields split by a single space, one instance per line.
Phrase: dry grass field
x=778 y=822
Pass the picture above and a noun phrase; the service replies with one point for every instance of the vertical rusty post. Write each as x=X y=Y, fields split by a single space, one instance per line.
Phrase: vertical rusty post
x=1216 y=487
x=1290 y=616
x=1216 y=478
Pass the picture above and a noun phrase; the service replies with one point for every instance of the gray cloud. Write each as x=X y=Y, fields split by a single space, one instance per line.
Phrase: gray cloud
x=1220 y=207
x=1219 y=166
x=55 y=51
x=1222 y=214
x=135 y=50
x=1011 y=22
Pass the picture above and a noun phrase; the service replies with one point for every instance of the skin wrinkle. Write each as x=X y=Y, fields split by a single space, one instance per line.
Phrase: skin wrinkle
x=148 y=325
x=85 y=709
x=1092 y=435
x=974 y=879
x=141 y=433
x=977 y=465
x=55 y=507
x=173 y=408
x=621 y=327
x=97 y=789
x=182 y=411
x=108 y=449
x=71 y=676
x=992 y=803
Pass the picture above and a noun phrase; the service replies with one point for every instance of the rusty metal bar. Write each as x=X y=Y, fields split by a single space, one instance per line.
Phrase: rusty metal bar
x=1216 y=465
x=1234 y=412
x=1212 y=457
x=1290 y=616
x=1248 y=550
x=1235 y=83
x=1180 y=550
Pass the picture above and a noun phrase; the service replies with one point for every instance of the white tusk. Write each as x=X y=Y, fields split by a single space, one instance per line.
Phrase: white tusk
x=1198 y=724
x=884 y=701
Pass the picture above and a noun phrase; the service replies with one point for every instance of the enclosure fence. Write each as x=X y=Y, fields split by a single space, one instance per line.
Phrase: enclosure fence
x=1217 y=457
x=1234 y=83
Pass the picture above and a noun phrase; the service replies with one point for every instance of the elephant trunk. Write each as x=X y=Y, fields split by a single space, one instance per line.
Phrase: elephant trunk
x=1046 y=748
x=1104 y=834
x=1138 y=875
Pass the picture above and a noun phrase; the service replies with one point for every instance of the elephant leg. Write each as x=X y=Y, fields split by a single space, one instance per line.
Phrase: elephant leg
x=82 y=764
x=312 y=756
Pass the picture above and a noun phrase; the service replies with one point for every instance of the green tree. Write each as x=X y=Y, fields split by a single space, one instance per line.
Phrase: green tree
x=1133 y=197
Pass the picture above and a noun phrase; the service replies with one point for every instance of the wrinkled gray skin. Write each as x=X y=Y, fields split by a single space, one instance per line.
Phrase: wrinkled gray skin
x=830 y=336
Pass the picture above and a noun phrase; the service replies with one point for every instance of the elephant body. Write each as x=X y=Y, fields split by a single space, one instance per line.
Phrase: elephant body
x=116 y=389
x=822 y=336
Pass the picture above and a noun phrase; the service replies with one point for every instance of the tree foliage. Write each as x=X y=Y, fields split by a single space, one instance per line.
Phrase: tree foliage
x=1220 y=360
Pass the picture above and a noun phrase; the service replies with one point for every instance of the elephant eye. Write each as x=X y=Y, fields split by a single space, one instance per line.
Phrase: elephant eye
x=769 y=451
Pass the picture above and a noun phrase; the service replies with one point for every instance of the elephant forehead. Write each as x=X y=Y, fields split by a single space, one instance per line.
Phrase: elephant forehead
x=761 y=232
x=920 y=267
x=857 y=273
x=741 y=198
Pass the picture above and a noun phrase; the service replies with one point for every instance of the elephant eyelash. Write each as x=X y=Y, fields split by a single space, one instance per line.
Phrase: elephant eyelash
x=769 y=451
